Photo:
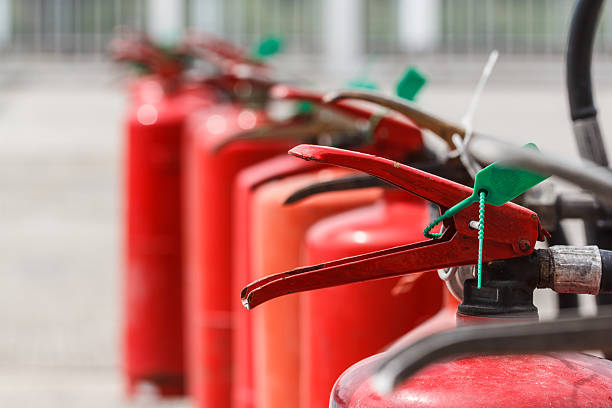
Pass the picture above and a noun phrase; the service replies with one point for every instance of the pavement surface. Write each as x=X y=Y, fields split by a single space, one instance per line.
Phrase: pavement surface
x=60 y=155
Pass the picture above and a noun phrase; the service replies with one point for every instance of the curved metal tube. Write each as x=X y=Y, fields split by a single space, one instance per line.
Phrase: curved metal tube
x=585 y=174
x=576 y=334
x=423 y=119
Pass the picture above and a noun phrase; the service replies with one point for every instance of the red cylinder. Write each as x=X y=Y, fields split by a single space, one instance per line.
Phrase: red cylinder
x=541 y=380
x=343 y=325
x=277 y=241
x=554 y=380
x=152 y=334
x=209 y=186
x=354 y=377
x=246 y=183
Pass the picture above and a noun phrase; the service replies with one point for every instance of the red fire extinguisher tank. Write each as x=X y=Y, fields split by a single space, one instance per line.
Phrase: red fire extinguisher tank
x=343 y=325
x=355 y=376
x=277 y=242
x=541 y=380
x=246 y=183
x=152 y=333
x=544 y=380
x=209 y=186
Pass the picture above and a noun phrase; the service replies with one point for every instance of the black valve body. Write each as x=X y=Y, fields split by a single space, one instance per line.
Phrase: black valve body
x=507 y=290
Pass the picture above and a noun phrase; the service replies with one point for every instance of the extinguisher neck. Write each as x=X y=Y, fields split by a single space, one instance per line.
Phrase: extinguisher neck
x=506 y=292
x=449 y=301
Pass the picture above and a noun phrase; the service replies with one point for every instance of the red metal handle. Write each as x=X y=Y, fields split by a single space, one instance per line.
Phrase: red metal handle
x=142 y=51
x=512 y=231
x=394 y=135
x=296 y=93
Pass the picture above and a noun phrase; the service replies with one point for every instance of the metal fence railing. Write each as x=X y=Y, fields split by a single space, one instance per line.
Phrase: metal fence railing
x=463 y=26
x=70 y=26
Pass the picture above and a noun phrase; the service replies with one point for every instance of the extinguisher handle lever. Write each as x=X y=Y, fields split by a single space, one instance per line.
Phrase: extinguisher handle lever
x=359 y=181
x=288 y=92
x=423 y=119
x=141 y=50
x=375 y=131
x=303 y=129
x=571 y=334
x=512 y=232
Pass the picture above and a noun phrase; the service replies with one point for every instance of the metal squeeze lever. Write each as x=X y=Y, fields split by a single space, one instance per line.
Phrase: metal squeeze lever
x=360 y=180
x=423 y=119
x=512 y=231
x=302 y=128
x=141 y=50
x=363 y=125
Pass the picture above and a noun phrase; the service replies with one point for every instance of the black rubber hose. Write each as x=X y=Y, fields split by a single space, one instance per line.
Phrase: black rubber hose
x=606 y=271
x=579 y=56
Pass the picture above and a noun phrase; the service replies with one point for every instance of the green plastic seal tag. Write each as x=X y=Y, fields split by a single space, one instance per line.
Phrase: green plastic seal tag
x=410 y=84
x=504 y=184
x=270 y=45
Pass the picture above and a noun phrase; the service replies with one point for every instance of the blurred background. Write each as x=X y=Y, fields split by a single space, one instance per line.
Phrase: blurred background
x=61 y=107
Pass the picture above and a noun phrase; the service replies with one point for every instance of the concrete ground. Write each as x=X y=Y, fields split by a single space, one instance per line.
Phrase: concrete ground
x=60 y=130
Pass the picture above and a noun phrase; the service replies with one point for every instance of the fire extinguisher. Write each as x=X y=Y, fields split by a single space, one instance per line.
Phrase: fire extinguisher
x=512 y=269
x=152 y=334
x=247 y=181
x=277 y=236
x=278 y=170
x=153 y=301
x=210 y=174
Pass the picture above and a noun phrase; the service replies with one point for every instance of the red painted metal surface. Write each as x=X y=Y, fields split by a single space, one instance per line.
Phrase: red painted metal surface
x=152 y=300
x=557 y=380
x=507 y=225
x=246 y=183
x=358 y=374
x=345 y=324
x=209 y=186
x=277 y=241
x=548 y=380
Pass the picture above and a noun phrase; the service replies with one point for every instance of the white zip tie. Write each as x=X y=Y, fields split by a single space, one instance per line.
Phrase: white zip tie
x=467 y=121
